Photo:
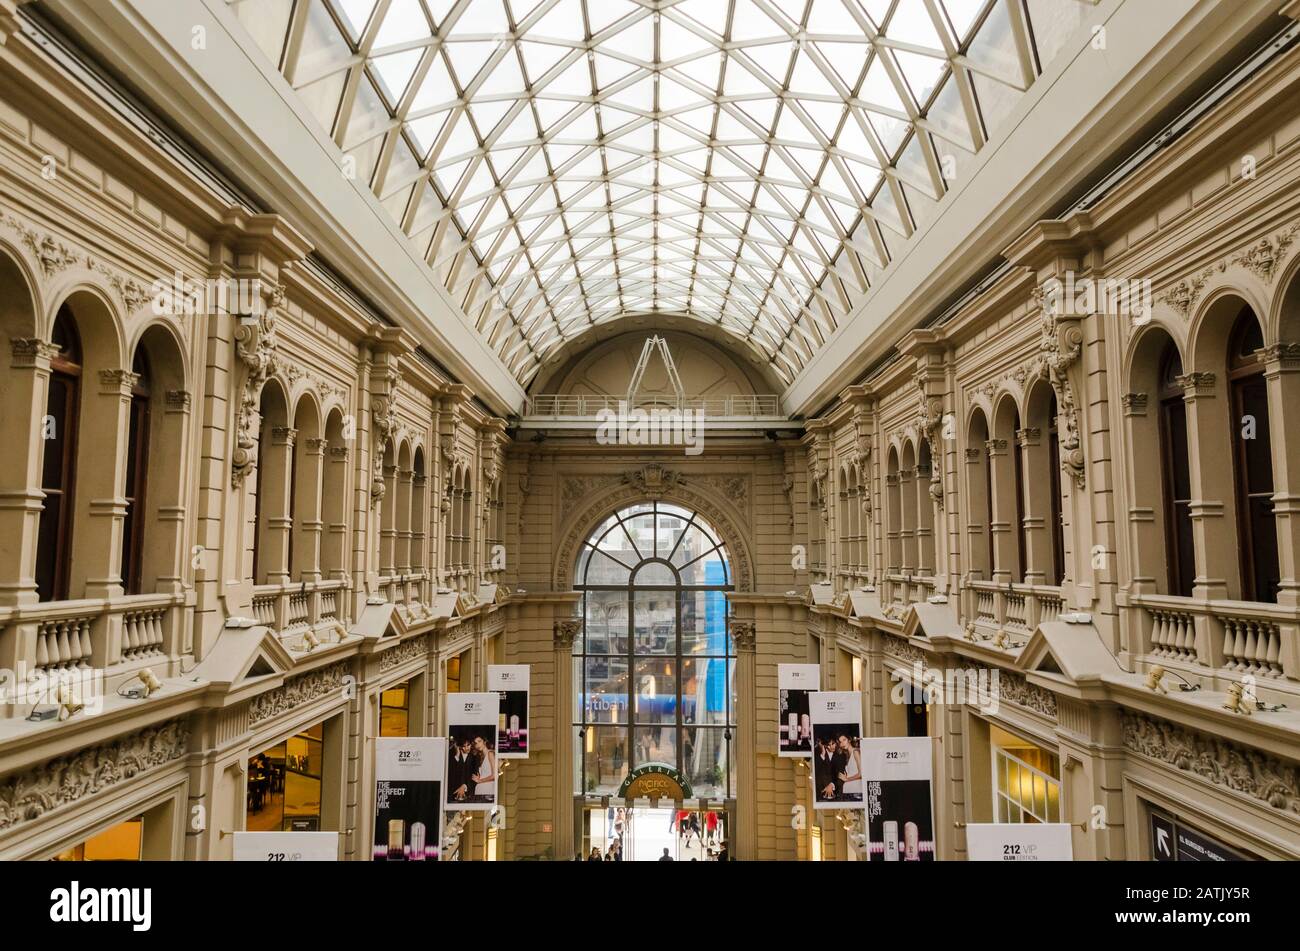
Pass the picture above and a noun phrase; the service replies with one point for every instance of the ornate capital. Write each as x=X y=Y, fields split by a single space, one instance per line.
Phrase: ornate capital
x=178 y=401
x=743 y=635
x=31 y=352
x=1286 y=356
x=995 y=447
x=283 y=435
x=117 y=382
x=1135 y=404
x=1196 y=383
x=565 y=631
x=316 y=447
x=1029 y=436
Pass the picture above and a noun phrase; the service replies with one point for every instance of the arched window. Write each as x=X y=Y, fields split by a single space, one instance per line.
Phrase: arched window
x=1177 y=481
x=1253 y=461
x=137 y=476
x=58 y=467
x=979 y=492
x=654 y=666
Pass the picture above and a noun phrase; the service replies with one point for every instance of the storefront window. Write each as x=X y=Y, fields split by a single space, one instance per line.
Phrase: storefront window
x=284 y=785
x=395 y=710
x=654 y=669
x=1026 y=780
x=119 y=843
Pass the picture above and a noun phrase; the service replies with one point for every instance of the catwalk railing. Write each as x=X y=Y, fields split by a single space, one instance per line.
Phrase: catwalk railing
x=556 y=405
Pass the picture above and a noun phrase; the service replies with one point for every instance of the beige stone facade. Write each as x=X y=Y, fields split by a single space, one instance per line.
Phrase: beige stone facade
x=1000 y=498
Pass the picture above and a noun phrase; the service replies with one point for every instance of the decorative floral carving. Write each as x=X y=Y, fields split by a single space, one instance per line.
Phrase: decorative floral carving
x=653 y=479
x=573 y=489
x=1182 y=297
x=401 y=653
x=54 y=256
x=1263 y=257
x=1016 y=689
x=929 y=415
x=294 y=693
x=63 y=781
x=329 y=393
x=255 y=346
x=900 y=649
x=734 y=488
x=1059 y=348
x=1221 y=762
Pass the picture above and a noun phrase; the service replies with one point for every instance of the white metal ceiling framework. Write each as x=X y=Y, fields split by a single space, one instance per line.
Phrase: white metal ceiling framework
x=749 y=163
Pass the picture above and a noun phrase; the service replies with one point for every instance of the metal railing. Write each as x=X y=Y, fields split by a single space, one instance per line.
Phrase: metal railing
x=553 y=405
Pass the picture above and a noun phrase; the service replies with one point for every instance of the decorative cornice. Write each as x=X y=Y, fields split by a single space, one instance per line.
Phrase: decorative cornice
x=69 y=779
x=1239 y=769
x=296 y=692
x=1287 y=355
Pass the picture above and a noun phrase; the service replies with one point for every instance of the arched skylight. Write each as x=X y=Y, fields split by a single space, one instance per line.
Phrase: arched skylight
x=750 y=163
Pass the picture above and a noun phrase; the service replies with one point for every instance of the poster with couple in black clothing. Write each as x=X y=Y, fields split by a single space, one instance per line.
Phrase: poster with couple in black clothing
x=836 y=741
x=472 y=759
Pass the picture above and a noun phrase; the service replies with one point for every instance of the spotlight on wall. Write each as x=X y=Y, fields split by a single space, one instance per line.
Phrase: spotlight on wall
x=1237 y=702
x=1156 y=675
x=69 y=702
x=309 y=641
x=148 y=684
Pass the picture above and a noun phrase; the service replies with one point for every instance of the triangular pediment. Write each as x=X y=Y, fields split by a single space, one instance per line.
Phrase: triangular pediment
x=242 y=654
x=1073 y=651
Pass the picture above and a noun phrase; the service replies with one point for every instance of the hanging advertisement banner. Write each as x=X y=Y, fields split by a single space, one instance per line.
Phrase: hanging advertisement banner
x=794 y=728
x=472 y=751
x=900 y=817
x=510 y=681
x=286 y=846
x=1019 y=842
x=836 y=749
x=408 y=798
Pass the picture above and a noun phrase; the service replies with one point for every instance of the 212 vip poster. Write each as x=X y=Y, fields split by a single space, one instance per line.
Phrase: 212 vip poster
x=898 y=773
x=836 y=749
x=794 y=683
x=472 y=758
x=1019 y=842
x=408 y=798
x=510 y=681
x=286 y=847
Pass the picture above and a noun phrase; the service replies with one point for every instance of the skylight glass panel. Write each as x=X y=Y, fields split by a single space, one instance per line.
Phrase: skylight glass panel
x=525 y=127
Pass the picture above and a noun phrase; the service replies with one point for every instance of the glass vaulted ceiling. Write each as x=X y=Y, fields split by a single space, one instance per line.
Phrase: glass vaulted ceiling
x=750 y=163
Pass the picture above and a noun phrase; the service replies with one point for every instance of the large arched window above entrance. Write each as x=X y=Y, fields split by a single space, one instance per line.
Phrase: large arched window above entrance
x=654 y=666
